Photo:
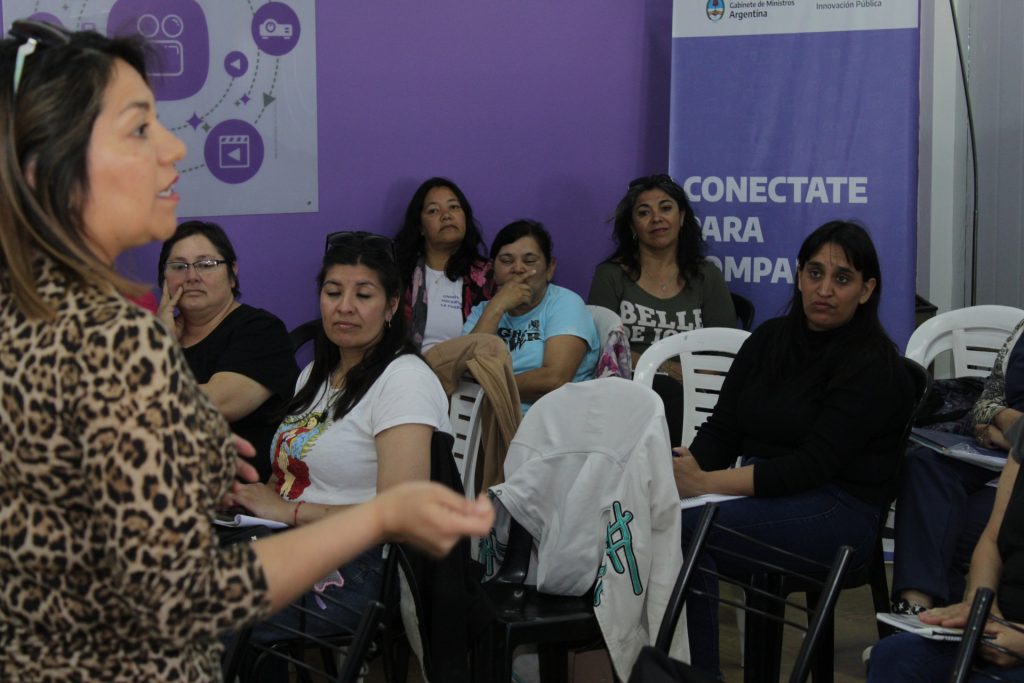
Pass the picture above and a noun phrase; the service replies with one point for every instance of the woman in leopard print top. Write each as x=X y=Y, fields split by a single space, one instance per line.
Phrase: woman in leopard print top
x=111 y=458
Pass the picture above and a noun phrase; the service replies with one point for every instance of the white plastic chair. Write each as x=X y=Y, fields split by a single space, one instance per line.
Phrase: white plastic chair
x=464 y=414
x=705 y=356
x=974 y=335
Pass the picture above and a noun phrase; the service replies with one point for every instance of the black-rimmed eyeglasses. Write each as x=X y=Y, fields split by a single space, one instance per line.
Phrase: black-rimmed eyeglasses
x=34 y=34
x=202 y=267
x=360 y=238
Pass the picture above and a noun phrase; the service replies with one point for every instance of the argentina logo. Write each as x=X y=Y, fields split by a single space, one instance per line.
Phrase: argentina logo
x=716 y=9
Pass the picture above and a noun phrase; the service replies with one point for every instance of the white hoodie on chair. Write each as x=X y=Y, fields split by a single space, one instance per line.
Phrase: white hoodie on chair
x=589 y=476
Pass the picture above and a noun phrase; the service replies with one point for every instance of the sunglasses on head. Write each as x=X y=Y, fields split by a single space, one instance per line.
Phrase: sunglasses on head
x=357 y=239
x=655 y=179
x=34 y=34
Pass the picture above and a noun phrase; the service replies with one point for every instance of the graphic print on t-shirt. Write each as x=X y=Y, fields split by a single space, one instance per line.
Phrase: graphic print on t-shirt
x=516 y=339
x=292 y=442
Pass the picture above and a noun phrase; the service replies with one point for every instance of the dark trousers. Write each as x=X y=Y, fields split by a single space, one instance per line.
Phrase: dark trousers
x=909 y=658
x=942 y=508
x=811 y=523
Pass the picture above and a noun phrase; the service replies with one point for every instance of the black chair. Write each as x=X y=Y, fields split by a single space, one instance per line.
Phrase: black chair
x=246 y=659
x=763 y=604
x=872 y=573
x=518 y=614
x=304 y=333
x=457 y=613
x=744 y=310
x=442 y=590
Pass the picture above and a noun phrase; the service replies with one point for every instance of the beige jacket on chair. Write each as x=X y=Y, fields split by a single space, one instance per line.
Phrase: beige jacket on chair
x=486 y=358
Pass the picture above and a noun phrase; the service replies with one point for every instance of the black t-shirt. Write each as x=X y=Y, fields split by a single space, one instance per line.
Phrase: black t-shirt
x=254 y=343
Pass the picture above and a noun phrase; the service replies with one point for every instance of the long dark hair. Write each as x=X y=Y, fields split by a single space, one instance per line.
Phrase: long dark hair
x=327 y=356
x=864 y=335
x=690 y=247
x=46 y=131
x=218 y=238
x=409 y=242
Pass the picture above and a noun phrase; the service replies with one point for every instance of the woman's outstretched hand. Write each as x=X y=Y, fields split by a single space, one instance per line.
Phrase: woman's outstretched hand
x=430 y=516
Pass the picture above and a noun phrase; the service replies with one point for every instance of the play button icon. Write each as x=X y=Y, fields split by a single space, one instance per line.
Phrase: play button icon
x=236 y=64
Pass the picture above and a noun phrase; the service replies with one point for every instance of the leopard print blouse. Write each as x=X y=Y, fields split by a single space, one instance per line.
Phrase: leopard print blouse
x=111 y=461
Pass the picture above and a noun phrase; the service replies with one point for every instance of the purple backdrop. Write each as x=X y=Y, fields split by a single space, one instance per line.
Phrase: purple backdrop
x=833 y=105
x=537 y=109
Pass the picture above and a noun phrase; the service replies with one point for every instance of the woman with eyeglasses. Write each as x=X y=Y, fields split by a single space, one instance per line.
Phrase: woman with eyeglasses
x=548 y=329
x=658 y=280
x=363 y=414
x=241 y=356
x=441 y=258
x=112 y=459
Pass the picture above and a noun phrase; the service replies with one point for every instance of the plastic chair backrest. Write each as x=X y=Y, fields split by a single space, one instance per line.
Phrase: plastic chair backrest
x=464 y=414
x=974 y=335
x=705 y=356
x=342 y=654
x=605 y=320
x=304 y=333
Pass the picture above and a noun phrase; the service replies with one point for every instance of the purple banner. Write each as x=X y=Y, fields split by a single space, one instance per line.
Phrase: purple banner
x=773 y=135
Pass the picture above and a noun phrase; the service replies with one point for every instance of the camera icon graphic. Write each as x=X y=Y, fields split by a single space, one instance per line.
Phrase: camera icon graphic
x=271 y=29
x=163 y=37
x=179 y=40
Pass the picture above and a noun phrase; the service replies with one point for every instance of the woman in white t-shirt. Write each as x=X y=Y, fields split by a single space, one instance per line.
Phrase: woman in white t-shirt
x=442 y=262
x=363 y=414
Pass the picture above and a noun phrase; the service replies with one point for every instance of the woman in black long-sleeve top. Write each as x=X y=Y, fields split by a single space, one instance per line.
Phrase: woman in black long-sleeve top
x=815 y=402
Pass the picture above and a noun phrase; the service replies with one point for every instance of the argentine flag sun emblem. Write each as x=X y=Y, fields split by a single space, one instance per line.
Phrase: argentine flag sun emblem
x=716 y=9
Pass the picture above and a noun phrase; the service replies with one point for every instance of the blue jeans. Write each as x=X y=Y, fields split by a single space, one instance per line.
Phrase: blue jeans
x=909 y=658
x=810 y=523
x=942 y=508
x=363 y=582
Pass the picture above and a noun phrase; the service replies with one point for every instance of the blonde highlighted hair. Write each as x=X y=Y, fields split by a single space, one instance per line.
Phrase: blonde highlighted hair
x=44 y=179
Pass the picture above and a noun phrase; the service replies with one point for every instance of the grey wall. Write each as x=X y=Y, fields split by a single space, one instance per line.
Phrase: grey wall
x=993 y=30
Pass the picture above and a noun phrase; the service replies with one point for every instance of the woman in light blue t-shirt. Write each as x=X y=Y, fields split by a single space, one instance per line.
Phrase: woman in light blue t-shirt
x=548 y=329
